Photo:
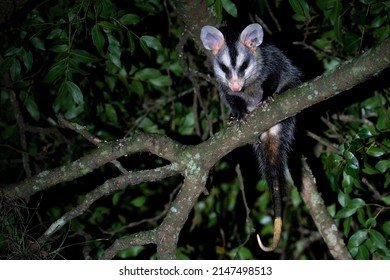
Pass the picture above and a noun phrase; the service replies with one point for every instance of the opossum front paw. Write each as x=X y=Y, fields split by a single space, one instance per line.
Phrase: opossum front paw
x=237 y=120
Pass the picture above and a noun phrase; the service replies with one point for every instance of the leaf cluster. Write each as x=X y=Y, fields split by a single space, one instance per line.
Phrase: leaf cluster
x=358 y=171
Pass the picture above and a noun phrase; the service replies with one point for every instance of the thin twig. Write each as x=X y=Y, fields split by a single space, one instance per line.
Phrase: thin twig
x=82 y=130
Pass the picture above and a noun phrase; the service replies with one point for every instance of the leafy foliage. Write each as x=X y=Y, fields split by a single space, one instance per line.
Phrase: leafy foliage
x=359 y=172
x=117 y=66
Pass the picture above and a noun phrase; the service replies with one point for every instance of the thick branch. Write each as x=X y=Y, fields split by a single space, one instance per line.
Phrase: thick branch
x=138 y=142
x=194 y=15
x=139 y=238
x=324 y=222
x=168 y=232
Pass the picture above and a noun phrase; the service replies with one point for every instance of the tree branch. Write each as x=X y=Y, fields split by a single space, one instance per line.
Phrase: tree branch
x=139 y=142
x=109 y=187
x=139 y=238
x=169 y=230
x=324 y=222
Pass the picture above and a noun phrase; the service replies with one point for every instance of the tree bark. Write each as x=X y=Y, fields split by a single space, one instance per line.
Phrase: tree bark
x=324 y=222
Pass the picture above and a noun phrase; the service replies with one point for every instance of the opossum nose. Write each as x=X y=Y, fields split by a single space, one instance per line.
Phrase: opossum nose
x=235 y=85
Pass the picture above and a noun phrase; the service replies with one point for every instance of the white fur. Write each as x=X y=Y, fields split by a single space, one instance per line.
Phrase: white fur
x=273 y=131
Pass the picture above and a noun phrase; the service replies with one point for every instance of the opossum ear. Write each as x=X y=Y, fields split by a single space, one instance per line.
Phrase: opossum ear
x=212 y=38
x=252 y=36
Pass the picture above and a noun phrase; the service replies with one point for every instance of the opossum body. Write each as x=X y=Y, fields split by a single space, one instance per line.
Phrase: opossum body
x=247 y=73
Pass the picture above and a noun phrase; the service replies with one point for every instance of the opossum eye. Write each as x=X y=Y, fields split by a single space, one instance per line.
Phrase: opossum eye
x=224 y=68
x=244 y=66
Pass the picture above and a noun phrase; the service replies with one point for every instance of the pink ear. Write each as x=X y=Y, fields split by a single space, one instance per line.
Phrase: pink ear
x=252 y=36
x=212 y=38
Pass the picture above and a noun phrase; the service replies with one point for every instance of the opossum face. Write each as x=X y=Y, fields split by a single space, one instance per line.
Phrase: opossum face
x=235 y=61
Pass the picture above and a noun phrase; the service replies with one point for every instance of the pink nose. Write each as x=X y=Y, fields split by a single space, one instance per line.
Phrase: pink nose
x=235 y=86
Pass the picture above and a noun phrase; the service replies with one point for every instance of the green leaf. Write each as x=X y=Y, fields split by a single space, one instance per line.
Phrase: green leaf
x=375 y=151
x=55 y=33
x=109 y=26
x=115 y=198
x=361 y=215
x=363 y=253
x=332 y=209
x=151 y=42
x=356 y=203
x=342 y=198
x=99 y=215
x=139 y=201
x=84 y=56
x=387 y=182
x=383 y=165
x=364 y=133
x=368 y=2
x=338 y=29
x=59 y=48
x=383 y=123
x=378 y=21
x=386 y=227
x=73 y=112
x=325 y=4
x=130 y=40
x=351 y=42
x=137 y=87
x=347 y=182
x=352 y=161
x=374 y=102
x=111 y=113
x=98 y=38
x=229 y=7
x=371 y=222
x=148 y=125
x=5 y=65
x=38 y=43
x=357 y=238
x=130 y=252
x=162 y=81
x=187 y=124
x=147 y=74
x=243 y=253
x=12 y=51
x=145 y=47
x=110 y=81
x=377 y=239
x=129 y=19
x=27 y=59
x=347 y=225
x=296 y=199
x=75 y=92
x=32 y=108
x=351 y=208
x=15 y=69
x=55 y=72
x=114 y=51
x=386 y=199
x=368 y=169
x=300 y=7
